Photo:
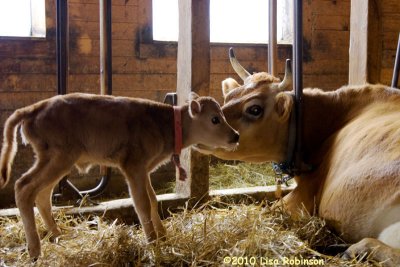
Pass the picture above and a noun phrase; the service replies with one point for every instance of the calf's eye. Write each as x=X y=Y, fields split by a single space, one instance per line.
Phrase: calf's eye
x=215 y=120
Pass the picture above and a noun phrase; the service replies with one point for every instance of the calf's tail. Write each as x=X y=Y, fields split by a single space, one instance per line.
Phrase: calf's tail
x=10 y=145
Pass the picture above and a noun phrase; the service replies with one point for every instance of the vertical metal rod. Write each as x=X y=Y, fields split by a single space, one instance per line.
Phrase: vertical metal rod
x=109 y=47
x=105 y=48
x=396 y=69
x=298 y=76
x=62 y=46
x=272 y=39
x=62 y=58
x=105 y=15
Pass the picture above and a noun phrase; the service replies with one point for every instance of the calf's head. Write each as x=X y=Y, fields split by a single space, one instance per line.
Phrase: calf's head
x=260 y=110
x=209 y=127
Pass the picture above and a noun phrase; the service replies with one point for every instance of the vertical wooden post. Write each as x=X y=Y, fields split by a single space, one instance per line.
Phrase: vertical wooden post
x=272 y=43
x=364 y=51
x=193 y=75
x=358 y=42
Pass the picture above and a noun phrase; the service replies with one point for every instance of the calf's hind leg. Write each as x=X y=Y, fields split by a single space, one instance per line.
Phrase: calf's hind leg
x=43 y=203
x=44 y=173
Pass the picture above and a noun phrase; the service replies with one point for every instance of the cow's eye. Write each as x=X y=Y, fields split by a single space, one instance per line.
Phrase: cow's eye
x=255 y=110
x=215 y=120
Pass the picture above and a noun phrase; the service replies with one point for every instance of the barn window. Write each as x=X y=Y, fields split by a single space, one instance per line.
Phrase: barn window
x=231 y=21
x=22 y=18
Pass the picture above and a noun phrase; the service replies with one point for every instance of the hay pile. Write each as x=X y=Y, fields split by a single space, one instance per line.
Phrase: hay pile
x=205 y=236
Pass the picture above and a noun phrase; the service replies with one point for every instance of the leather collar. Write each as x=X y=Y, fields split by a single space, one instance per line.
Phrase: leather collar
x=178 y=129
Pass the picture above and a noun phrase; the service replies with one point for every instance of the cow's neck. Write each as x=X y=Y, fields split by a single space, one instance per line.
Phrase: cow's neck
x=324 y=114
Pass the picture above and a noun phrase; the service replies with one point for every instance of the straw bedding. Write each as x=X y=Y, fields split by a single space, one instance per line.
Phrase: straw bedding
x=204 y=236
x=214 y=234
x=225 y=175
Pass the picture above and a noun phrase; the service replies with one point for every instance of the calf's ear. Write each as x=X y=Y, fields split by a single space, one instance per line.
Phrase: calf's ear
x=283 y=106
x=194 y=108
x=193 y=96
x=227 y=85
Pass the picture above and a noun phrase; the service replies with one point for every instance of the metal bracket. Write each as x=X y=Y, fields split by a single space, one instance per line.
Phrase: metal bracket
x=68 y=189
x=396 y=69
x=171 y=98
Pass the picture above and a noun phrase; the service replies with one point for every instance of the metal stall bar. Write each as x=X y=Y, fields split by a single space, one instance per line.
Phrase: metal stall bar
x=62 y=51
x=105 y=48
x=272 y=42
x=62 y=46
x=396 y=69
x=105 y=79
x=298 y=78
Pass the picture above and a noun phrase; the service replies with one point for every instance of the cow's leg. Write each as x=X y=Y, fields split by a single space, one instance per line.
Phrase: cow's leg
x=296 y=203
x=43 y=203
x=138 y=178
x=155 y=217
x=385 y=249
x=45 y=171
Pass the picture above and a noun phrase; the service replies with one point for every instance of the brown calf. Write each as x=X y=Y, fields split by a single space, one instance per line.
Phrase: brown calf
x=134 y=135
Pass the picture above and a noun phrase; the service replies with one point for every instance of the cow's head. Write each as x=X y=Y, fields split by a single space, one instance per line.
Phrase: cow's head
x=260 y=110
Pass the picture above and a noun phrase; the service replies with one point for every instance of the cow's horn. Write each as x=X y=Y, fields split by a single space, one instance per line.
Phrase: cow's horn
x=242 y=72
x=287 y=80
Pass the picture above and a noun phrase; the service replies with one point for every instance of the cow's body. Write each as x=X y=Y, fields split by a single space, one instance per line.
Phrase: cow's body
x=351 y=138
x=134 y=135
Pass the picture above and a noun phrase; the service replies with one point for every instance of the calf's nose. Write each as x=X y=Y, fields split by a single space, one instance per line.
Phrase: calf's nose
x=235 y=138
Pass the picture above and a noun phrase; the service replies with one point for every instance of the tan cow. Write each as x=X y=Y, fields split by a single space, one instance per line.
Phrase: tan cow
x=134 y=135
x=351 y=137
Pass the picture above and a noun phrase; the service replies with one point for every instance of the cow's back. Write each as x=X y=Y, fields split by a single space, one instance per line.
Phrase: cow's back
x=363 y=165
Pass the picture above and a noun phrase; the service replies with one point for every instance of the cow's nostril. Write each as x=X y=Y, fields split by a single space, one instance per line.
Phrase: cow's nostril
x=235 y=138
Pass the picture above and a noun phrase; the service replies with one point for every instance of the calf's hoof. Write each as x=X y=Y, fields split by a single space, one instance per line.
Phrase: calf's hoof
x=34 y=253
x=151 y=237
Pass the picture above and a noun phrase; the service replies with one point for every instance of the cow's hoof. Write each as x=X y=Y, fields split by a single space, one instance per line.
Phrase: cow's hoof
x=360 y=249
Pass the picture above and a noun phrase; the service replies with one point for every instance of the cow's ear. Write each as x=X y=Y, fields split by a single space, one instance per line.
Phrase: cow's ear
x=228 y=84
x=194 y=108
x=283 y=106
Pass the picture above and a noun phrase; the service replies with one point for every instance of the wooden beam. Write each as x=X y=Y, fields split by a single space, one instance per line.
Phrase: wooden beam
x=193 y=74
x=123 y=208
x=364 y=51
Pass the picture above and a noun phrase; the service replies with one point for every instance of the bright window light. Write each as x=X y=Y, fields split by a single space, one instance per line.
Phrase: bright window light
x=231 y=21
x=22 y=18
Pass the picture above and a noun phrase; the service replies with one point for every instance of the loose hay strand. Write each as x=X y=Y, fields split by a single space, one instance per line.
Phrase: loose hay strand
x=201 y=237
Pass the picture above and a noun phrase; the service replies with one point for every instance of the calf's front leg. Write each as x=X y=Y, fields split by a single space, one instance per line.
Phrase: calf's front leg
x=155 y=217
x=138 y=180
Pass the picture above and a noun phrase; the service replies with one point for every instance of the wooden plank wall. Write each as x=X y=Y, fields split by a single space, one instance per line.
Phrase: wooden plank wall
x=142 y=68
